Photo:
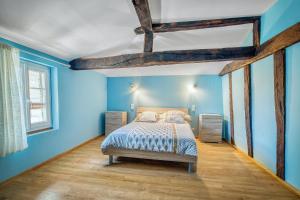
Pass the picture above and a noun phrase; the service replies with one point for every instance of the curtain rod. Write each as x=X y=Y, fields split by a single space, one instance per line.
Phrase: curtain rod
x=36 y=54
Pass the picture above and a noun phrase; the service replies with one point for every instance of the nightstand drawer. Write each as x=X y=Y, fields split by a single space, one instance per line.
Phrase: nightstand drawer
x=116 y=121
x=113 y=115
x=208 y=125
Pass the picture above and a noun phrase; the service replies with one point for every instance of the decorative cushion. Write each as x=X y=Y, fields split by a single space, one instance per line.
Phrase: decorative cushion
x=147 y=116
x=187 y=118
x=174 y=118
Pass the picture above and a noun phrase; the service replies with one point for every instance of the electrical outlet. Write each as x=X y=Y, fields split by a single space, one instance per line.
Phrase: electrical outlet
x=132 y=106
x=193 y=108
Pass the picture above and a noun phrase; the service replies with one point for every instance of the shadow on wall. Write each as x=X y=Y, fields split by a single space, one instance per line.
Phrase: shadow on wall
x=101 y=123
x=225 y=130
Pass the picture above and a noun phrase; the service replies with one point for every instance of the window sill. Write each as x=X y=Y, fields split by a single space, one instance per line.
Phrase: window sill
x=41 y=131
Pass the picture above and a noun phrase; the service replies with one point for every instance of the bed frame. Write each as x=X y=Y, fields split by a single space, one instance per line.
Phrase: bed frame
x=164 y=156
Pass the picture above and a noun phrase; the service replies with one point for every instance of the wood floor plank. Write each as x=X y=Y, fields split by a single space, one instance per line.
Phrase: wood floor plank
x=222 y=173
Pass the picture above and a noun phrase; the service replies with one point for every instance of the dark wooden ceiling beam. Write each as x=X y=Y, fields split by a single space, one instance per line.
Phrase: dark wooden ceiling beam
x=148 y=41
x=143 y=12
x=256 y=33
x=201 y=24
x=284 y=39
x=163 y=58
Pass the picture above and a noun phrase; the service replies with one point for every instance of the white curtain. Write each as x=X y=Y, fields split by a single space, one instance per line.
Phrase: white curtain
x=13 y=136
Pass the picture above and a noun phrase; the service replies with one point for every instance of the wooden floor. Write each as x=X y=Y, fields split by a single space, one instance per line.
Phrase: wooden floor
x=223 y=173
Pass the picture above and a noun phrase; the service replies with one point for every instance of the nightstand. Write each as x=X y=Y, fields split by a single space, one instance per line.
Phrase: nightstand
x=210 y=127
x=114 y=120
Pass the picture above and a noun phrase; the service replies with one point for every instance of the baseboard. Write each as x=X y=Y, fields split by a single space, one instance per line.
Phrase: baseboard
x=49 y=160
x=282 y=182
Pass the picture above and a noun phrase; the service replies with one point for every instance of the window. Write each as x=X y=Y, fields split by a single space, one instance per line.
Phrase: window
x=37 y=96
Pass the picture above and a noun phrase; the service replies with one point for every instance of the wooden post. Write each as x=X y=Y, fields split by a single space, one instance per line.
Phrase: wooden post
x=247 y=104
x=148 y=41
x=110 y=159
x=256 y=33
x=190 y=167
x=231 y=110
x=279 y=92
x=143 y=12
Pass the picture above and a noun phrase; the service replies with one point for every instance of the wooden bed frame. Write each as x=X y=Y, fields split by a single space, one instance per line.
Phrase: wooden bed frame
x=164 y=156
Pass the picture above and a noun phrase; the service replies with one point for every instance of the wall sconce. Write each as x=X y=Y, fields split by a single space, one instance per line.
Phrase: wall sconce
x=133 y=87
x=192 y=88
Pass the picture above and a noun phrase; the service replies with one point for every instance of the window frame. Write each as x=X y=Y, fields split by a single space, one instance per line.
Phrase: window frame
x=40 y=126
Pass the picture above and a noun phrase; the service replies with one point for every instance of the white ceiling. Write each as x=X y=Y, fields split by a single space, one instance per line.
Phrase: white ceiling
x=70 y=29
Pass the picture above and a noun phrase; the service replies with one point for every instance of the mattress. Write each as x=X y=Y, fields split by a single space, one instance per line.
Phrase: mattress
x=153 y=137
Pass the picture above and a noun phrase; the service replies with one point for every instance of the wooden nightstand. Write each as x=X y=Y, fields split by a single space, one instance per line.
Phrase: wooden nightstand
x=210 y=127
x=114 y=120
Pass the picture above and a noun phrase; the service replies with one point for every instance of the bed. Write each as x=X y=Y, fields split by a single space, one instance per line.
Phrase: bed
x=155 y=141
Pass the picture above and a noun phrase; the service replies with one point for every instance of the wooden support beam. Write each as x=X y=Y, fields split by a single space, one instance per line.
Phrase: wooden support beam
x=256 y=33
x=143 y=13
x=286 y=38
x=247 y=104
x=279 y=92
x=163 y=58
x=231 y=110
x=201 y=24
x=148 y=41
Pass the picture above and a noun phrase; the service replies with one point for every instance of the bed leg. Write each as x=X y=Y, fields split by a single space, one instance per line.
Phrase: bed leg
x=190 y=168
x=110 y=159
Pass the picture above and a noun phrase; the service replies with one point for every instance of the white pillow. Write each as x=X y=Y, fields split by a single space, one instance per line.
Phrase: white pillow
x=187 y=118
x=162 y=116
x=174 y=118
x=147 y=116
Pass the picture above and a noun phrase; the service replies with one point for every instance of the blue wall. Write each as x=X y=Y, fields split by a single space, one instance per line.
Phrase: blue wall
x=239 y=109
x=283 y=14
x=79 y=103
x=293 y=115
x=226 y=110
x=167 y=91
x=263 y=112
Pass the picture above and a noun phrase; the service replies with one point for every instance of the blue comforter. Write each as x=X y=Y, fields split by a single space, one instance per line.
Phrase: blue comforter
x=154 y=137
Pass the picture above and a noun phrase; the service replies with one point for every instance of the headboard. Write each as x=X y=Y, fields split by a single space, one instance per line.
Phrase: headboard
x=159 y=110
